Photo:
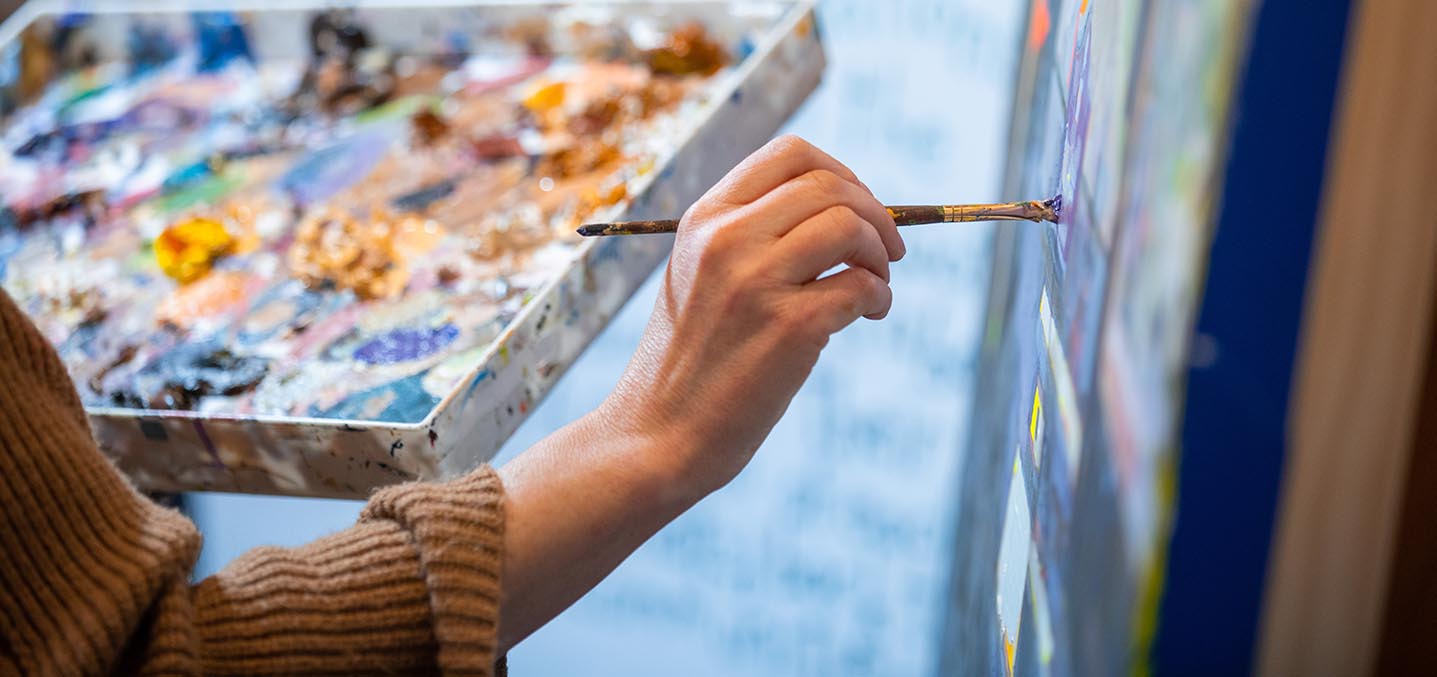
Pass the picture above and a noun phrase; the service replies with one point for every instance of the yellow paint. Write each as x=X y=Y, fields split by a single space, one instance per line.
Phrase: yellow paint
x=187 y=250
x=545 y=97
x=1033 y=423
x=804 y=27
x=1083 y=8
x=1008 y=651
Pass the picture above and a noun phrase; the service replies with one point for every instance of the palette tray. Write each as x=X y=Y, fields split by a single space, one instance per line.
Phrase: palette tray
x=295 y=250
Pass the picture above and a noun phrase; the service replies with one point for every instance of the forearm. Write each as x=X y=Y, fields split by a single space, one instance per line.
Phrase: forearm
x=577 y=504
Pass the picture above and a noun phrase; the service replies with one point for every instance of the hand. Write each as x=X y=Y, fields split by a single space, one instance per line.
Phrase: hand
x=743 y=312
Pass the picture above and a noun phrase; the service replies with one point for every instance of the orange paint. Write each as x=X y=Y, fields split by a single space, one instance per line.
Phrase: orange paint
x=1083 y=8
x=804 y=27
x=1039 y=23
x=545 y=97
x=206 y=297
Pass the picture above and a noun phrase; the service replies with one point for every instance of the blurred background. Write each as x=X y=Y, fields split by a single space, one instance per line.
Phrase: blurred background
x=830 y=554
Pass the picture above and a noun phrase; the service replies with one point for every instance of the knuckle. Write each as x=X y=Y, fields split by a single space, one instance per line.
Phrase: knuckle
x=824 y=182
x=790 y=144
x=696 y=211
x=866 y=285
x=882 y=292
x=714 y=250
x=866 y=289
x=843 y=222
x=725 y=236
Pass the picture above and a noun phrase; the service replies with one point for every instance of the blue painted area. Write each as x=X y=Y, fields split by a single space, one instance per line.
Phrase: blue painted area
x=187 y=176
x=479 y=378
x=744 y=49
x=1236 y=411
x=221 y=39
x=410 y=403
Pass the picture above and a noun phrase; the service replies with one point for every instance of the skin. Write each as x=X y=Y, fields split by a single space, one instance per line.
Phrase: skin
x=743 y=314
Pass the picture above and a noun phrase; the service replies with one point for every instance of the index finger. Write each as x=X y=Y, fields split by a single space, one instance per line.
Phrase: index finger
x=778 y=162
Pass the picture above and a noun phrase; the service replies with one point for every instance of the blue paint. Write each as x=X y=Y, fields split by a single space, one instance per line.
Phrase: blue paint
x=478 y=378
x=403 y=345
x=420 y=200
x=149 y=47
x=745 y=48
x=221 y=39
x=1235 y=416
x=187 y=176
x=410 y=403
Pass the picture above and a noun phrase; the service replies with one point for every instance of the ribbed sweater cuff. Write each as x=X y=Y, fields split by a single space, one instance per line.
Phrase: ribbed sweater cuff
x=459 y=529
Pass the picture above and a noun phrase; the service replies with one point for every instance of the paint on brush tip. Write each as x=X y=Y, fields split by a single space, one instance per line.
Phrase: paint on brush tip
x=1054 y=207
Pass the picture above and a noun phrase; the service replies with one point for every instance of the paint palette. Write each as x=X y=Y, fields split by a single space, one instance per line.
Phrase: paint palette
x=311 y=251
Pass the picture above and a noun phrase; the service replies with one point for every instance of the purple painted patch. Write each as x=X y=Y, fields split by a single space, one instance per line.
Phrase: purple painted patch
x=403 y=345
x=334 y=168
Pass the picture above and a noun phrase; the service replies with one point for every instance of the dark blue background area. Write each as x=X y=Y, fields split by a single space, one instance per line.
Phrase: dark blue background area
x=1235 y=416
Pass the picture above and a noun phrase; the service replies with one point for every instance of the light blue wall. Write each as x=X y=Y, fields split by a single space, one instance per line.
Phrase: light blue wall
x=829 y=554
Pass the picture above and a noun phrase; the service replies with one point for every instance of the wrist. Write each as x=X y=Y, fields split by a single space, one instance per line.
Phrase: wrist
x=657 y=462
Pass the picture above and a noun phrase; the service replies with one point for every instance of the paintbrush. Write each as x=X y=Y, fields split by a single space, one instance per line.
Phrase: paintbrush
x=1029 y=210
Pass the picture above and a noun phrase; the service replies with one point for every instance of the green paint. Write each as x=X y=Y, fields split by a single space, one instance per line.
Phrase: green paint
x=209 y=191
x=398 y=108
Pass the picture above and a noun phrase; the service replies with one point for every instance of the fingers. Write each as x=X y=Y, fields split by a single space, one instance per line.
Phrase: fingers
x=781 y=160
x=797 y=200
x=845 y=296
x=833 y=236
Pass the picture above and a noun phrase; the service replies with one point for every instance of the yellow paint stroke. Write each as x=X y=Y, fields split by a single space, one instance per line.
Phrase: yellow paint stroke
x=1008 y=652
x=1033 y=423
x=1083 y=8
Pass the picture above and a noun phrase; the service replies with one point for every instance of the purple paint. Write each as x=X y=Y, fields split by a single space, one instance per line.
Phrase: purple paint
x=403 y=345
x=329 y=170
x=208 y=444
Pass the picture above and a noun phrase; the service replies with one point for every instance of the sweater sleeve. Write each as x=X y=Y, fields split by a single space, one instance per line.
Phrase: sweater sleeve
x=94 y=578
x=411 y=588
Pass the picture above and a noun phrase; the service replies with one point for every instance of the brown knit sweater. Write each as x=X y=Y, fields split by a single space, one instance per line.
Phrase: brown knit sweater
x=94 y=578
